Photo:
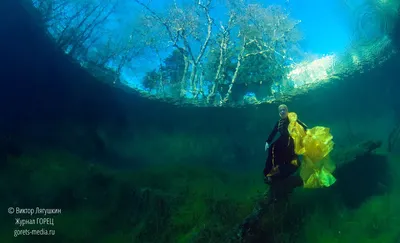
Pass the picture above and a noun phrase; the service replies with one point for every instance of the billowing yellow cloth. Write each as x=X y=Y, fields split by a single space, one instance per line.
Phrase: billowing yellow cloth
x=315 y=144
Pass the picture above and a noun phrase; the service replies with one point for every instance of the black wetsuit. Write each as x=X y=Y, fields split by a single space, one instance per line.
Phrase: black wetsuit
x=281 y=154
x=282 y=160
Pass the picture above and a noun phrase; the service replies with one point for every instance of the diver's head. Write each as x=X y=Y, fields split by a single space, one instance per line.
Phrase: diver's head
x=283 y=111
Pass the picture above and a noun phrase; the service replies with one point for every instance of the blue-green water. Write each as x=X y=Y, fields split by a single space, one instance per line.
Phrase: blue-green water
x=113 y=165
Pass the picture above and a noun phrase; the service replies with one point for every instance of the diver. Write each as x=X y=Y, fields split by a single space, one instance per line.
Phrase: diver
x=279 y=172
x=282 y=161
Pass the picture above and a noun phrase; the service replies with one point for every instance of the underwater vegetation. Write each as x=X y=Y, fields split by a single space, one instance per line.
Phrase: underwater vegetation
x=181 y=202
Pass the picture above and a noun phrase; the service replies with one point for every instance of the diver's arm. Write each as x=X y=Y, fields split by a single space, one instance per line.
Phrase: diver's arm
x=273 y=133
x=302 y=124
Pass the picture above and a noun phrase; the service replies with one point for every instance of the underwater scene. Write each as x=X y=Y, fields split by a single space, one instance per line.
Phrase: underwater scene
x=200 y=121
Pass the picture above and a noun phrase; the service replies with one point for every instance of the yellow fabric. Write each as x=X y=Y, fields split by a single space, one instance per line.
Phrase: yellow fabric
x=315 y=145
x=320 y=178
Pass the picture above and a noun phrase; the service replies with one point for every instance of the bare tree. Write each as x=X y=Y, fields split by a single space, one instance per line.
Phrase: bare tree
x=79 y=27
x=75 y=25
x=261 y=31
x=50 y=9
x=224 y=39
x=189 y=30
x=85 y=29
x=184 y=26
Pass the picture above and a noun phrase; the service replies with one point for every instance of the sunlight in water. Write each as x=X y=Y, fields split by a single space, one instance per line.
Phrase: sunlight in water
x=312 y=72
x=290 y=46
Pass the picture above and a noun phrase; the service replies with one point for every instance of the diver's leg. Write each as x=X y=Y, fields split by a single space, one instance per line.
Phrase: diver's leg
x=284 y=183
x=286 y=170
x=275 y=191
x=293 y=182
x=268 y=161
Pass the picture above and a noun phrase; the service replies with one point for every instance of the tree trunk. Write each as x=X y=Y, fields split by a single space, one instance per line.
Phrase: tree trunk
x=252 y=221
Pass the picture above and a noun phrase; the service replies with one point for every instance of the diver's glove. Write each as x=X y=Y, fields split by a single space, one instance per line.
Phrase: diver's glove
x=266 y=146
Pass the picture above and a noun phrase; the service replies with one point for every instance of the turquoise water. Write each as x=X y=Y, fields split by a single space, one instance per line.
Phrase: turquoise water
x=338 y=29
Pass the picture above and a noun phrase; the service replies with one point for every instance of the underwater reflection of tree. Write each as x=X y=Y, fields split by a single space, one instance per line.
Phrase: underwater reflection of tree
x=170 y=72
